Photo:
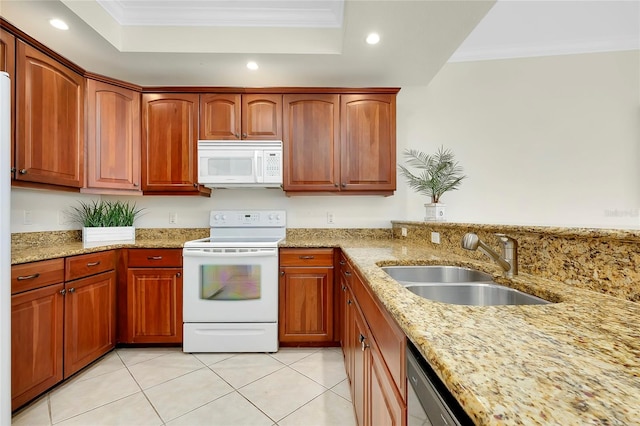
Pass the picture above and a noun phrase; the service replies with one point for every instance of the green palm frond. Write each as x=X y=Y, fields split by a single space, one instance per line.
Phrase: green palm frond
x=436 y=173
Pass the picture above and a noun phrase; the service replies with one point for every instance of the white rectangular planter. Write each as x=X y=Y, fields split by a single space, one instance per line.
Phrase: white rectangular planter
x=94 y=237
x=435 y=212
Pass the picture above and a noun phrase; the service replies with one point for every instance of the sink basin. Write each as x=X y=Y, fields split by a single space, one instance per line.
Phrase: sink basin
x=476 y=294
x=435 y=274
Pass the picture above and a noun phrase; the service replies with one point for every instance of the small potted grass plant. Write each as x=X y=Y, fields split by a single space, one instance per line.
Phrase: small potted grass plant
x=106 y=222
x=436 y=174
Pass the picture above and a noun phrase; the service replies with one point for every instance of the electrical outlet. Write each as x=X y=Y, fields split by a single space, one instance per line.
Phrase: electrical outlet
x=403 y=231
x=173 y=218
x=330 y=217
x=27 y=218
x=62 y=219
x=435 y=237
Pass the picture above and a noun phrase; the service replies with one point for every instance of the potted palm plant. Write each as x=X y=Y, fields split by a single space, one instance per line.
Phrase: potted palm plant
x=435 y=175
x=106 y=222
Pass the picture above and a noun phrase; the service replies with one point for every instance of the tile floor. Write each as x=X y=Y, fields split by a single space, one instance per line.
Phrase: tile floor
x=164 y=386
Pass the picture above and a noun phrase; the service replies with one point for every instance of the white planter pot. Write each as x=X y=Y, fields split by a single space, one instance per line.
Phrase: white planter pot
x=435 y=212
x=94 y=237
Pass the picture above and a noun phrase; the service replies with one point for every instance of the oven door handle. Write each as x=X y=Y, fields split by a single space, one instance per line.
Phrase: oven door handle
x=261 y=253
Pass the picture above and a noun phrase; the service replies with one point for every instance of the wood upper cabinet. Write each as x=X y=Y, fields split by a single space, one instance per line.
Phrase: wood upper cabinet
x=49 y=120
x=232 y=116
x=170 y=144
x=113 y=139
x=8 y=64
x=311 y=142
x=368 y=138
x=306 y=296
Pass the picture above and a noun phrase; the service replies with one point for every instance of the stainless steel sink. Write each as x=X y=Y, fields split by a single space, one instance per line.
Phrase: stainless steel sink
x=435 y=274
x=476 y=294
x=458 y=285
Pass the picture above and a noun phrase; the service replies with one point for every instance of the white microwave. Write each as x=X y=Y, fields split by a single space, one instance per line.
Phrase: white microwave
x=240 y=164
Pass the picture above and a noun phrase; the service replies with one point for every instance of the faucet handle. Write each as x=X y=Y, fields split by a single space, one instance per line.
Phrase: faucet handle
x=505 y=239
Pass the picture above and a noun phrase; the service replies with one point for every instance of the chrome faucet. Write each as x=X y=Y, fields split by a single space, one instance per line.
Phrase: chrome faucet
x=509 y=259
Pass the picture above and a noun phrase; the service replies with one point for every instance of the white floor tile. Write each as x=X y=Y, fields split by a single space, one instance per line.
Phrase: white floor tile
x=35 y=414
x=246 y=368
x=281 y=393
x=163 y=368
x=107 y=364
x=77 y=397
x=132 y=410
x=131 y=356
x=181 y=395
x=208 y=359
x=325 y=367
x=327 y=409
x=231 y=409
x=343 y=389
x=291 y=355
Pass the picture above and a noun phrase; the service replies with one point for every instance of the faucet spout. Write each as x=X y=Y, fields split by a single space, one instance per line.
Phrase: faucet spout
x=509 y=259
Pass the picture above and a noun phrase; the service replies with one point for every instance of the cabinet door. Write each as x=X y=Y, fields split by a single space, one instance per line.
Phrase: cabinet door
x=361 y=365
x=220 y=116
x=154 y=305
x=36 y=342
x=90 y=320
x=311 y=157
x=386 y=404
x=50 y=120
x=306 y=305
x=8 y=64
x=262 y=117
x=368 y=141
x=113 y=140
x=170 y=143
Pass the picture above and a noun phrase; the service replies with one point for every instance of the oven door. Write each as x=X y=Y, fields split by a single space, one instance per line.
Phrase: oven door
x=230 y=285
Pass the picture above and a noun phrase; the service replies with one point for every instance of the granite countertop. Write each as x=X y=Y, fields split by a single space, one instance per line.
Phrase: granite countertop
x=573 y=362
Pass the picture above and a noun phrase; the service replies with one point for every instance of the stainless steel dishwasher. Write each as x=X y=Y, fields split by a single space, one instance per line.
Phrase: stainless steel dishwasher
x=429 y=402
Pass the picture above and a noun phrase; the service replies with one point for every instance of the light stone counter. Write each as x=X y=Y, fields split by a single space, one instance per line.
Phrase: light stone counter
x=574 y=362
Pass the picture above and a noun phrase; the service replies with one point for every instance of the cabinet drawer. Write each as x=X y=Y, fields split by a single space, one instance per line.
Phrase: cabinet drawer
x=306 y=257
x=32 y=275
x=89 y=264
x=149 y=258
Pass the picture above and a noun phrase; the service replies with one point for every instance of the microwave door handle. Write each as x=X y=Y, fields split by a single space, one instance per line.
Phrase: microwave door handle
x=258 y=166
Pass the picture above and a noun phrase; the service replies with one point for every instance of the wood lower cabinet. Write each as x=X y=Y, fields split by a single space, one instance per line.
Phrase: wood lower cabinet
x=170 y=144
x=374 y=349
x=153 y=296
x=306 y=296
x=113 y=139
x=233 y=116
x=49 y=120
x=37 y=320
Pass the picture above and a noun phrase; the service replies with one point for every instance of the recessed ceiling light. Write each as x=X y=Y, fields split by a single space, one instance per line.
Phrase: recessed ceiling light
x=373 y=38
x=252 y=65
x=59 y=24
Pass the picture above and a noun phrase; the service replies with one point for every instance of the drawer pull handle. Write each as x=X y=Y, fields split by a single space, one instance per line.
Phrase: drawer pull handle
x=154 y=257
x=93 y=263
x=306 y=257
x=28 y=277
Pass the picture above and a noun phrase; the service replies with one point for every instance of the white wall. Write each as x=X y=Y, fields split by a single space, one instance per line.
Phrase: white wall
x=544 y=141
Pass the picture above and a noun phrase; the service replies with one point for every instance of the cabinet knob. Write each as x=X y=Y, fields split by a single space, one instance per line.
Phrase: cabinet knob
x=135 y=184
x=72 y=290
x=344 y=288
x=179 y=274
x=344 y=185
x=13 y=170
x=282 y=273
x=336 y=185
x=342 y=262
x=23 y=171
x=63 y=292
x=349 y=302
x=244 y=135
x=237 y=136
x=347 y=273
x=195 y=185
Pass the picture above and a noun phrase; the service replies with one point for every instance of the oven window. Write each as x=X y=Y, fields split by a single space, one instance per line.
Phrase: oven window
x=230 y=282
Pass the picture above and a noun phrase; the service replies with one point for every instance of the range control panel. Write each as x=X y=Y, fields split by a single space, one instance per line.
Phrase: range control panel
x=248 y=218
